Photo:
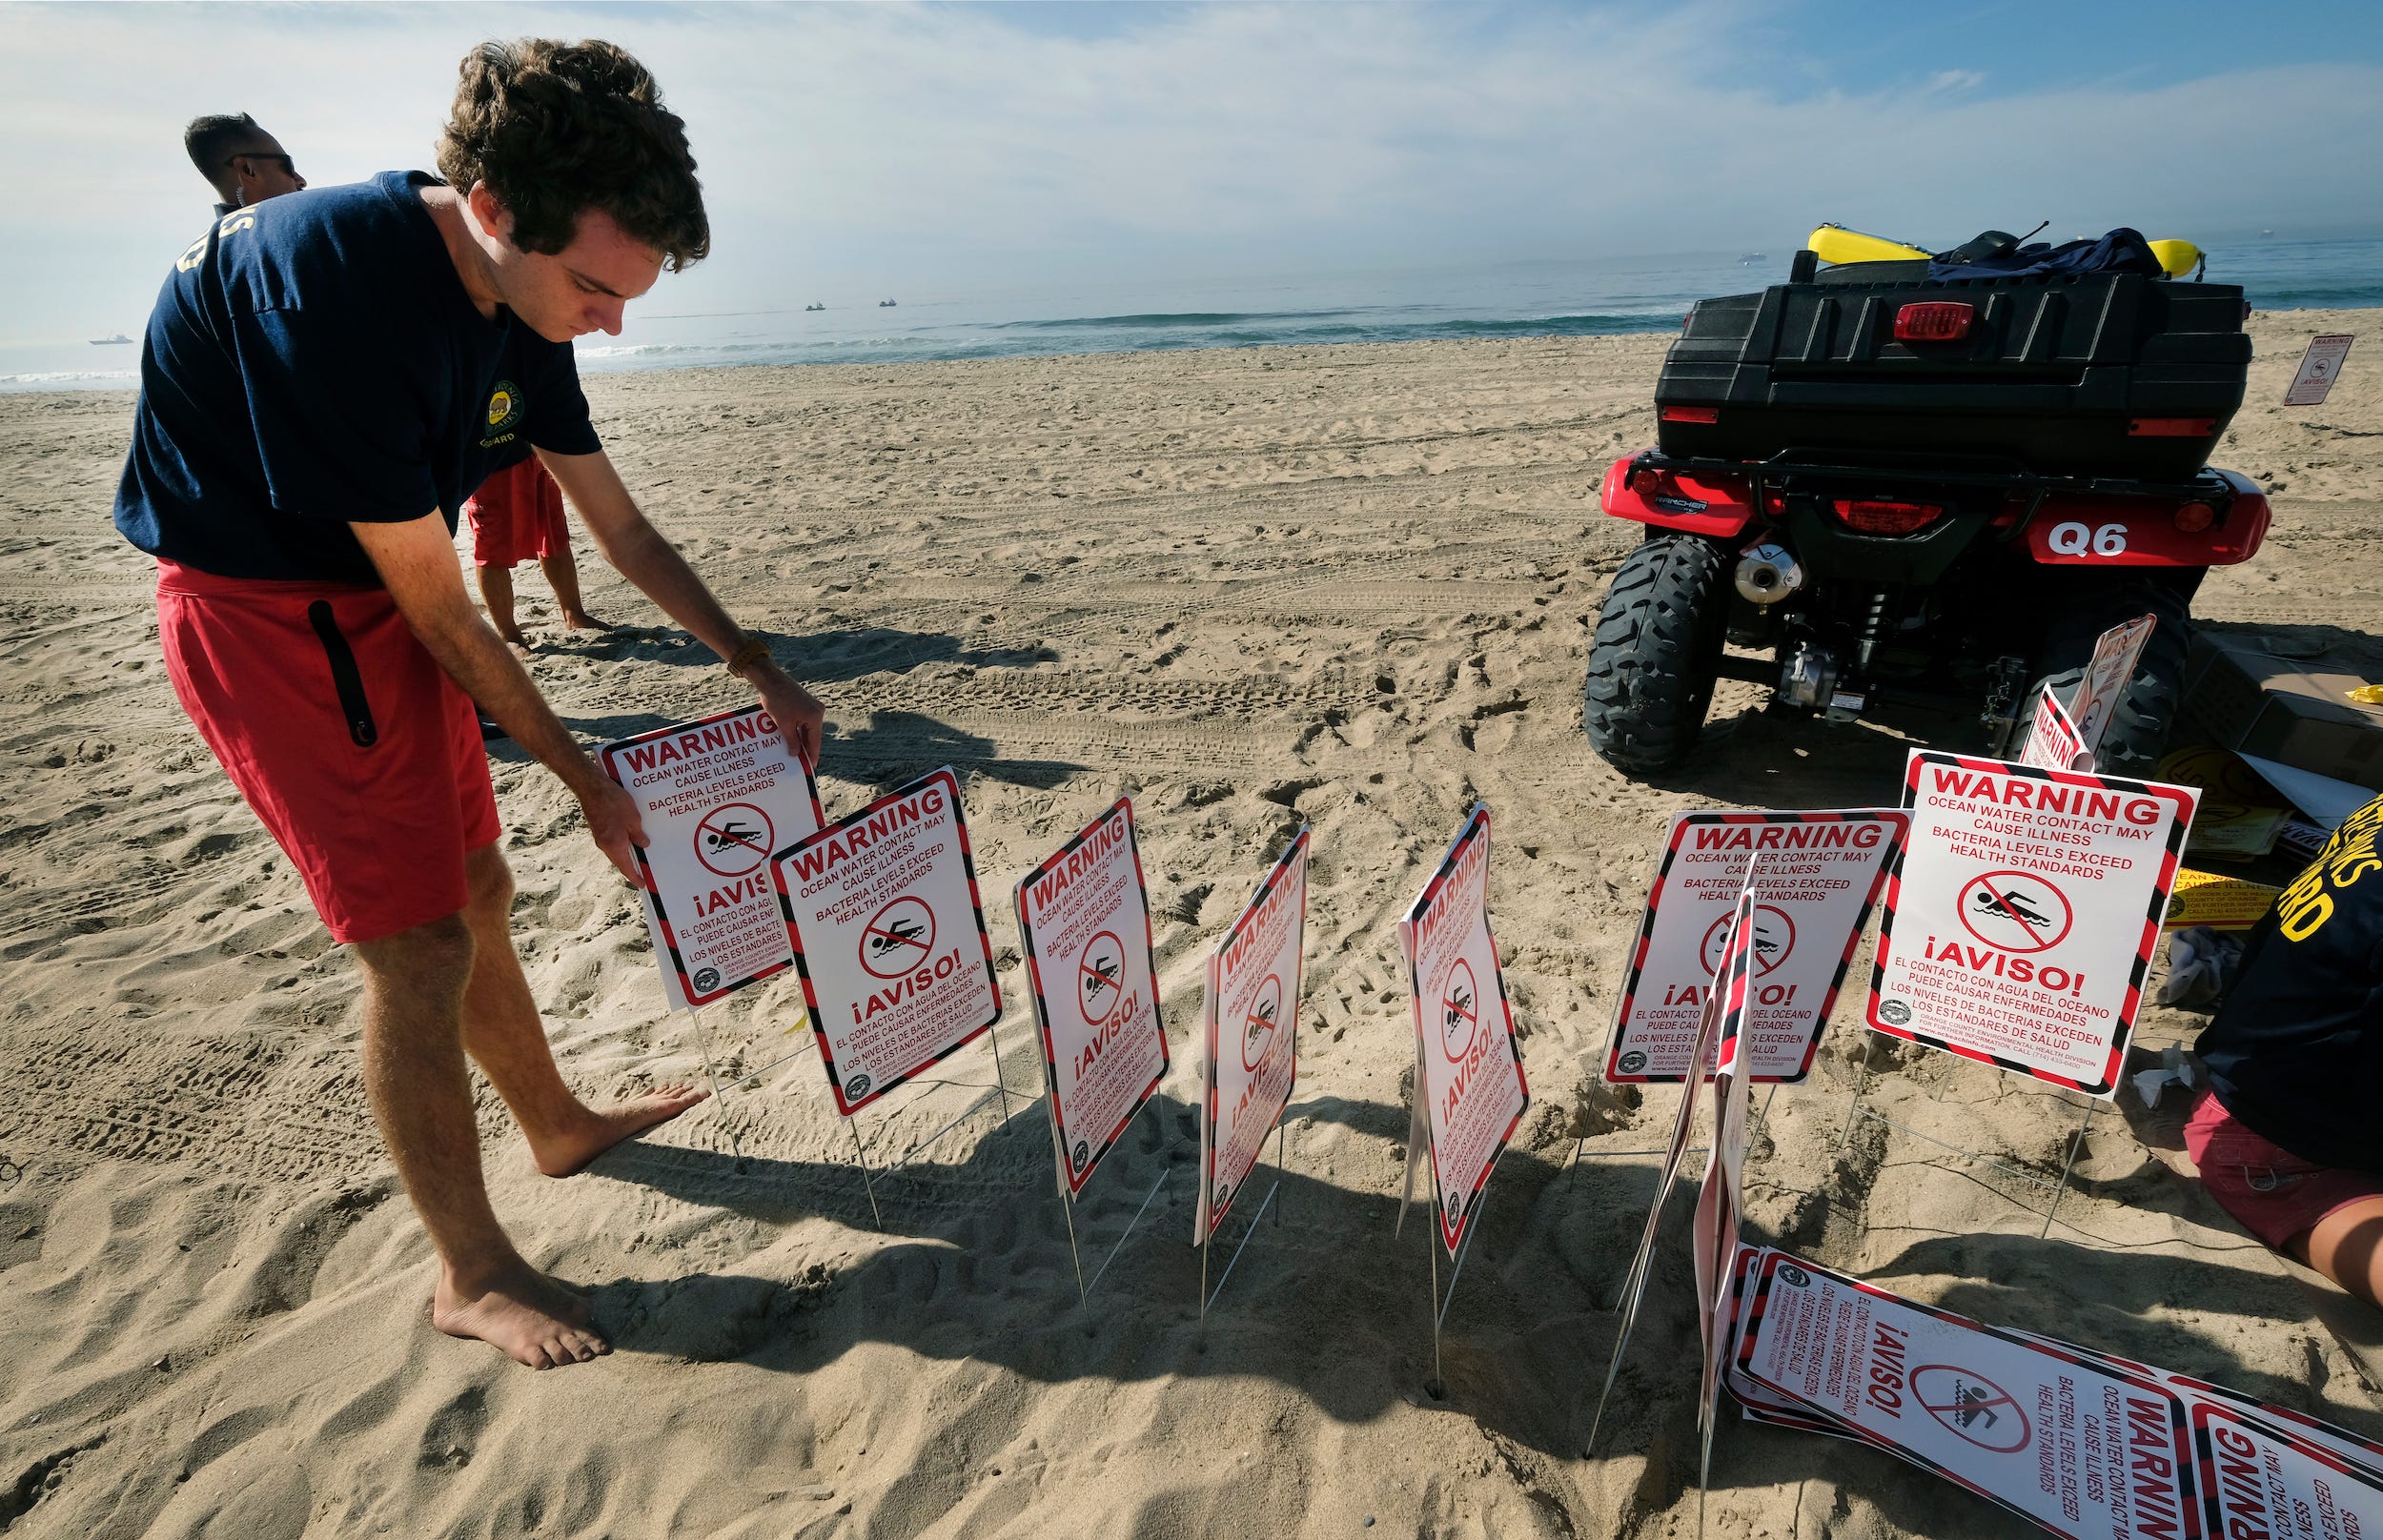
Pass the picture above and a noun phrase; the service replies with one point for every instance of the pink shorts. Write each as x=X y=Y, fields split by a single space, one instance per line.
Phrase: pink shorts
x=2276 y=1194
x=517 y=517
x=362 y=758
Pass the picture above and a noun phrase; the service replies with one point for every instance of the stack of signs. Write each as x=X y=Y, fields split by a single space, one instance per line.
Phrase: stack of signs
x=889 y=939
x=1252 y=1035
x=2053 y=741
x=1819 y=874
x=1719 y=1053
x=1084 y=918
x=2024 y=913
x=2086 y=1446
x=1468 y=1069
x=1715 y=1246
x=720 y=796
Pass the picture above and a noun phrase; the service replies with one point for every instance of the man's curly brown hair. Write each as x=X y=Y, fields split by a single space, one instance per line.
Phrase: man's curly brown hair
x=556 y=128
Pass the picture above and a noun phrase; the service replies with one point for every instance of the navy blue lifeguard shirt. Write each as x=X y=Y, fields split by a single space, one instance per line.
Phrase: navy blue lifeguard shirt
x=314 y=362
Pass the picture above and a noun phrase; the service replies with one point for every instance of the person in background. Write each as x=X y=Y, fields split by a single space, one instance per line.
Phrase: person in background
x=243 y=163
x=2286 y=1137
x=517 y=515
x=323 y=381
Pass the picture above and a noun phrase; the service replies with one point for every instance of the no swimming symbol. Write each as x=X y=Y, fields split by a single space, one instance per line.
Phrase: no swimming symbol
x=733 y=838
x=1460 y=1012
x=900 y=938
x=1257 y=1030
x=1972 y=1406
x=1774 y=939
x=2015 y=911
x=1100 y=978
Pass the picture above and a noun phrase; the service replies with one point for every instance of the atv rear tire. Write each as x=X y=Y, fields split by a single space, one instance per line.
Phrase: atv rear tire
x=1656 y=653
x=2136 y=738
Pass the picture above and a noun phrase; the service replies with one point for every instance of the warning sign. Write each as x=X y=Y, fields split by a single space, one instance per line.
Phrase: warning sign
x=889 y=940
x=1815 y=877
x=1084 y=918
x=2081 y=1446
x=1470 y=1071
x=719 y=796
x=2053 y=741
x=2024 y=913
x=2218 y=902
x=2115 y=653
x=2259 y=1479
x=2319 y=367
x=1251 y=1022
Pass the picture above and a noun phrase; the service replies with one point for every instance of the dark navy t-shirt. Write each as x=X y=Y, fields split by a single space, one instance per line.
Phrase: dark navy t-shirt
x=314 y=362
x=2296 y=1051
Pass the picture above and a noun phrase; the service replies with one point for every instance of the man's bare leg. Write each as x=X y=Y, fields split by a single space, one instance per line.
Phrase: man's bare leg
x=562 y=573
x=506 y=1037
x=2347 y=1247
x=414 y=991
x=495 y=591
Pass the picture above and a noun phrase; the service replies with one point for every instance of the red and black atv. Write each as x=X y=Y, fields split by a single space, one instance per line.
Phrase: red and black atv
x=1931 y=494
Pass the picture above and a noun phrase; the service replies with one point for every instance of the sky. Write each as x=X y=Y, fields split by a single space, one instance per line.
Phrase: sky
x=940 y=149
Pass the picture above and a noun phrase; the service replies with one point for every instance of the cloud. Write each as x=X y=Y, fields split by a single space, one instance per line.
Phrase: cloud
x=957 y=147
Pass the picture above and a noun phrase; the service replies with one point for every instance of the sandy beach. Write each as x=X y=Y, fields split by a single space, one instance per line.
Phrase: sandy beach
x=1349 y=586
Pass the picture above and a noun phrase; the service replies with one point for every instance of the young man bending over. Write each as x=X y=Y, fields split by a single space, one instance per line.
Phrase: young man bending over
x=325 y=378
x=2288 y=1137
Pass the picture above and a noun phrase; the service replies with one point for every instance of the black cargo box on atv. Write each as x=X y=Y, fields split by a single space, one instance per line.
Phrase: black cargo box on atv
x=2104 y=373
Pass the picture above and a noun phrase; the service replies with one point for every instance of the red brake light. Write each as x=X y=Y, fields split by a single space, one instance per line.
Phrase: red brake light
x=1644 y=482
x=1937 y=321
x=2193 y=517
x=1874 y=517
x=2172 y=428
x=1691 y=413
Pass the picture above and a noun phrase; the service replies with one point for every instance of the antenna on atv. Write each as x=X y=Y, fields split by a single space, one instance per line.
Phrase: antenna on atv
x=2032 y=234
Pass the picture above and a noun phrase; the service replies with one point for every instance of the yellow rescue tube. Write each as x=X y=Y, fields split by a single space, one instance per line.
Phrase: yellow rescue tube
x=2177 y=258
x=1835 y=244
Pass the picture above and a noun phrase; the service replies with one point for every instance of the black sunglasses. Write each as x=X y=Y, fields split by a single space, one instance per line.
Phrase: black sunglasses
x=289 y=167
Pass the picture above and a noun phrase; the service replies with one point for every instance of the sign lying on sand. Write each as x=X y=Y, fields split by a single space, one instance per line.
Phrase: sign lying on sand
x=2086 y=1446
x=1817 y=877
x=889 y=939
x=1084 y=916
x=2022 y=915
x=1251 y=1026
x=720 y=796
x=1468 y=1068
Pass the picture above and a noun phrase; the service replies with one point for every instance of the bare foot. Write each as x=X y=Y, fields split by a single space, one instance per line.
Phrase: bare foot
x=518 y=648
x=568 y=1154
x=529 y=1317
x=581 y=621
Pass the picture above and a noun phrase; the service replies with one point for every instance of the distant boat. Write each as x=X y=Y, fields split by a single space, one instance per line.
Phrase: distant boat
x=1752 y=258
x=109 y=341
x=2265 y=233
x=885 y=304
x=814 y=307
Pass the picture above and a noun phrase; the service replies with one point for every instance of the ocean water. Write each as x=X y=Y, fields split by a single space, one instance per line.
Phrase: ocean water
x=1584 y=298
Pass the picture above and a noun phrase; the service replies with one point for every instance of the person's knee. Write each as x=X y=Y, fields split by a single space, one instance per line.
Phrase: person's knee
x=420 y=959
x=488 y=882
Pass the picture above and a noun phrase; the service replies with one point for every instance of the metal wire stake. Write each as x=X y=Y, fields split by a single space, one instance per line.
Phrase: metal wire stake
x=702 y=1046
x=1861 y=1082
x=862 y=1151
x=1437 y=1387
x=1066 y=1206
x=1000 y=1079
x=2074 y=1145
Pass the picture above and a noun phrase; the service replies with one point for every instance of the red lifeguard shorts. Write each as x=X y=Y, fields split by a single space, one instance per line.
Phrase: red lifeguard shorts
x=2274 y=1194
x=359 y=753
x=517 y=517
